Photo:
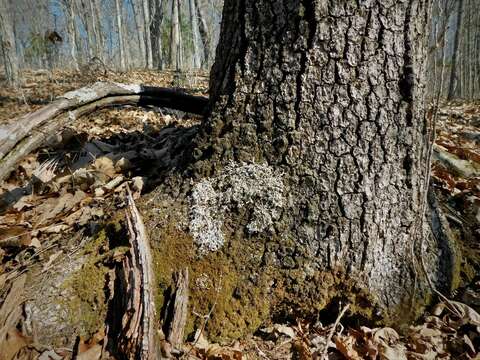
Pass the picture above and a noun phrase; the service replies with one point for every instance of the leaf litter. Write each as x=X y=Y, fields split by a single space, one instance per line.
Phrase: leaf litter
x=64 y=190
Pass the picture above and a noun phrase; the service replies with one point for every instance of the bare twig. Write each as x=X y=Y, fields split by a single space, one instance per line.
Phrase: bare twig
x=332 y=332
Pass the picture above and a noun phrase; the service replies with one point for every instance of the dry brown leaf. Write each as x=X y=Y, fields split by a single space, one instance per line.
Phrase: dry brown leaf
x=92 y=353
x=29 y=164
x=285 y=330
x=55 y=229
x=385 y=336
x=105 y=165
x=389 y=348
x=468 y=315
x=50 y=355
x=346 y=345
x=11 y=219
x=13 y=342
x=469 y=343
x=51 y=259
x=54 y=207
x=25 y=202
x=16 y=236
x=83 y=179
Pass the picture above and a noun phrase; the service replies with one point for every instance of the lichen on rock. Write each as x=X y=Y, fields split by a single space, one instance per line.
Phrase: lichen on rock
x=257 y=188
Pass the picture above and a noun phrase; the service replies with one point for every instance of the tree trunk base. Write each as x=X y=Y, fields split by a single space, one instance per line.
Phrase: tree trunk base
x=243 y=281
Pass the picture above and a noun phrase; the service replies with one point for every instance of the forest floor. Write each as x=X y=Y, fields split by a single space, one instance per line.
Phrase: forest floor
x=54 y=203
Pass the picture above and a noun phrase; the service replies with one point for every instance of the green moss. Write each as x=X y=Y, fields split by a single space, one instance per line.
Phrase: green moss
x=238 y=307
x=85 y=303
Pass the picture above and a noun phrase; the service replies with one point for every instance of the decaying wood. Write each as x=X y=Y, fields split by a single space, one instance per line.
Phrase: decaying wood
x=31 y=131
x=176 y=328
x=137 y=339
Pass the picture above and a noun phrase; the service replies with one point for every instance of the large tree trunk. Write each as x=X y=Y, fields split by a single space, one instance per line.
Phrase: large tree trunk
x=311 y=168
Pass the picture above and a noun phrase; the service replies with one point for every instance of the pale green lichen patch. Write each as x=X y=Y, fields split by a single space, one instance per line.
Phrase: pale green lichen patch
x=253 y=187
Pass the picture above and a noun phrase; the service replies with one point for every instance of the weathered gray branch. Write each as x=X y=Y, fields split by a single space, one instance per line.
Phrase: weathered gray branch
x=31 y=131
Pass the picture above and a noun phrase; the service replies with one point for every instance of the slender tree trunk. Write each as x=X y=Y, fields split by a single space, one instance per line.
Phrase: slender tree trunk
x=456 y=49
x=118 y=8
x=148 y=38
x=310 y=171
x=470 y=50
x=476 y=56
x=141 y=31
x=69 y=8
x=196 y=57
x=99 y=36
x=156 y=33
x=175 y=38
x=8 y=44
x=87 y=22
x=204 y=35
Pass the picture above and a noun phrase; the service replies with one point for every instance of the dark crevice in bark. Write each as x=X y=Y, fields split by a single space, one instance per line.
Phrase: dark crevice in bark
x=407 y=83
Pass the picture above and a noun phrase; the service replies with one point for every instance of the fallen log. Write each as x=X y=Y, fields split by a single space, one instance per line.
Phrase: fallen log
x=459 y=167
x=32 y=130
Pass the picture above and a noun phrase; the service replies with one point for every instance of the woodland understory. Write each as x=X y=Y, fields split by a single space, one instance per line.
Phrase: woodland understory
x=72 y=211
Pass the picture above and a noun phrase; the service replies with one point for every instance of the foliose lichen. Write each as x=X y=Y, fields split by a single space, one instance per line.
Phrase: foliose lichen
x=257 y=188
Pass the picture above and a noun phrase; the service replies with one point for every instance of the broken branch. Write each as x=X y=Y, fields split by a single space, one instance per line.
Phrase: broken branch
x=32 y=130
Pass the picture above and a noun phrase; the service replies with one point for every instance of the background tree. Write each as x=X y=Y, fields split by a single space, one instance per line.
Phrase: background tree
x=8 y=43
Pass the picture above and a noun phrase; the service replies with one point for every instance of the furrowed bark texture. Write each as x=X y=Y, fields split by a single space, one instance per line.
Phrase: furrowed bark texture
x=331 y=93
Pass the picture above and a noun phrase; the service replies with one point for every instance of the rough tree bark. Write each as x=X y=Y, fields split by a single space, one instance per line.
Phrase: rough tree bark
x=307 y=182
x=310 y=170
x=69 y=11
x=141 y=31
